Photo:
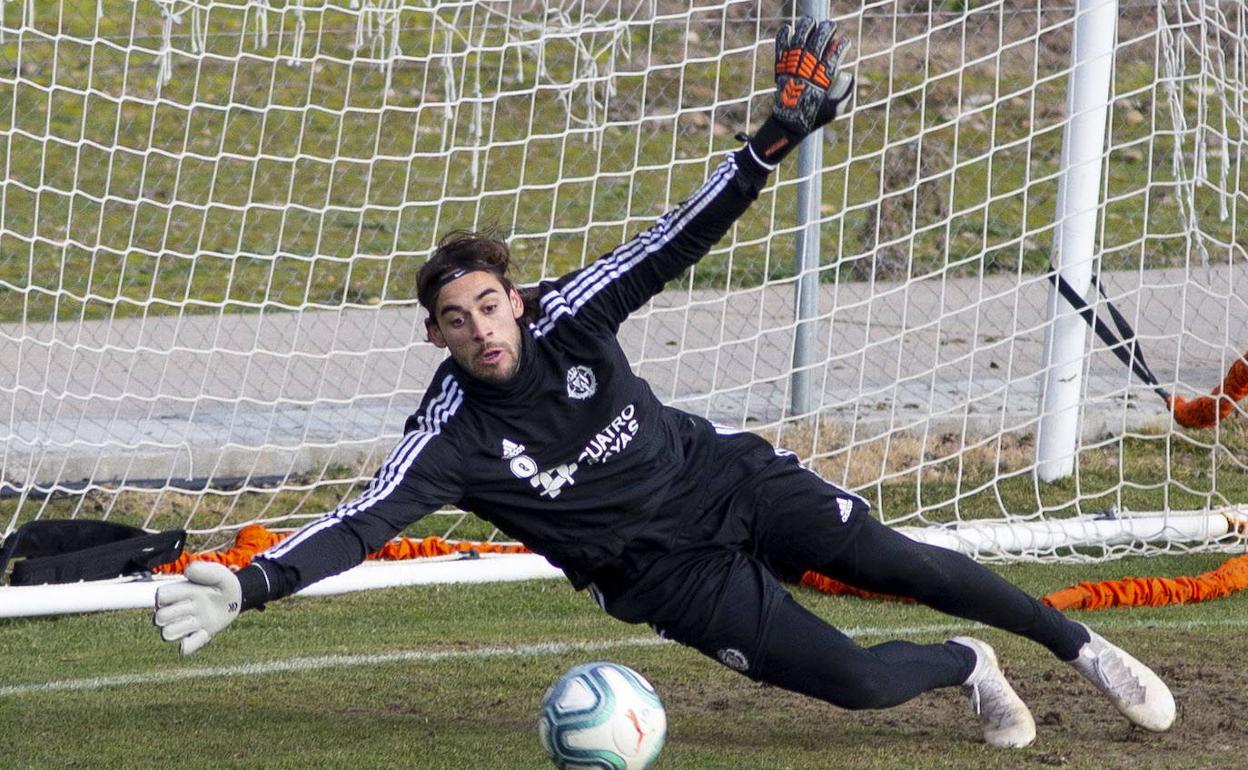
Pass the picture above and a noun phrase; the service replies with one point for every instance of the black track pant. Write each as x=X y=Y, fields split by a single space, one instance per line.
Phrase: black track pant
x=717 y=588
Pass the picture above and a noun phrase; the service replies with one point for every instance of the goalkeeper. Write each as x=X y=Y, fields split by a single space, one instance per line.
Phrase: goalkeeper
x=537 y=423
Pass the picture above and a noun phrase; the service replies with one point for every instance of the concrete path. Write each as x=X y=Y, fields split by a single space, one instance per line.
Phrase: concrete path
x=233 y=396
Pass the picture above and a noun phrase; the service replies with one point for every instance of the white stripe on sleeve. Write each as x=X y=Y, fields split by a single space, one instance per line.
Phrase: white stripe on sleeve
x=437 y=413
x=583 y=288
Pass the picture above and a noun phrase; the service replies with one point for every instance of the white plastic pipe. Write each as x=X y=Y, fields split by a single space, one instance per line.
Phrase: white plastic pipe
x=1041 y=536
x=95 y=596
x=1078 y=193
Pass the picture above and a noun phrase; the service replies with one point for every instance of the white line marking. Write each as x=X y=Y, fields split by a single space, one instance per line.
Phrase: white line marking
x=329 y=661
x=516 y=651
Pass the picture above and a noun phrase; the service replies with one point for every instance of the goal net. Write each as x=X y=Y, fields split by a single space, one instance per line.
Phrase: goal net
x=212 y=214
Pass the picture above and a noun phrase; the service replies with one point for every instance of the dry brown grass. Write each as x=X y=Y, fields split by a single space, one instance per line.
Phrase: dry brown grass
x=897 y=458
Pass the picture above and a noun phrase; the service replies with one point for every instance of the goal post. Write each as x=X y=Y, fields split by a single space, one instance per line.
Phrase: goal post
x=212 y=214
x=1074 y=237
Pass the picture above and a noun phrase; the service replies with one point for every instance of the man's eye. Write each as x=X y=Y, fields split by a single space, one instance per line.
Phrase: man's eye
x=457 y=322
x=489 y=308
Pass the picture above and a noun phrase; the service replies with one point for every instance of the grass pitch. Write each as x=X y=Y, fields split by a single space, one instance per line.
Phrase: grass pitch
x=450 y=677
x=251 y=181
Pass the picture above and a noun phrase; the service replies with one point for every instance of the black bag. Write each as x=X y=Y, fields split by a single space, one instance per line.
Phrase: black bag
x=70 y=550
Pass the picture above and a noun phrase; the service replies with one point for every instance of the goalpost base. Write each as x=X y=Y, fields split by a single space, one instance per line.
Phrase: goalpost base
x=972 y=539
x=1032 y=537
x=130 y=593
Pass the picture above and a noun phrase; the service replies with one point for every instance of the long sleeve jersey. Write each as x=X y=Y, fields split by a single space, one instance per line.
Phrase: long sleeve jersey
x=575 y=455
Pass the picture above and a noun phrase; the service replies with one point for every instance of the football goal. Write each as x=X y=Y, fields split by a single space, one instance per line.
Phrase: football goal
x=212 y=213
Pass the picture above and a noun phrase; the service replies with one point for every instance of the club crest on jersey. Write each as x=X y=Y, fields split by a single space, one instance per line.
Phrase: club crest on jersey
x=581 y=382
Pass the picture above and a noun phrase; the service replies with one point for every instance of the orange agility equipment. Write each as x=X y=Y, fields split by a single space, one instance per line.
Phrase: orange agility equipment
x=1207 y=411
x=255 y=538
x=1227 y=579
x=836 y=588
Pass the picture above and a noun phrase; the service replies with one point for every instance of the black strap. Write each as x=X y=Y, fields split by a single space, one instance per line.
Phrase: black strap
x=1127 y=348
x=69 y=550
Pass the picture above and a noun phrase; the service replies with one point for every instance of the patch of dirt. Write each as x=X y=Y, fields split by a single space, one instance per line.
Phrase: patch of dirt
x=1076 y=726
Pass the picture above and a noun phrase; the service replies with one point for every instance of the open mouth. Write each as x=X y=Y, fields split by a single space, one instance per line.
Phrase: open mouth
x=492 y=356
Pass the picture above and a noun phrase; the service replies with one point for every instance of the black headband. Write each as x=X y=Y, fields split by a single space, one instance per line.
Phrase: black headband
x=434 y=287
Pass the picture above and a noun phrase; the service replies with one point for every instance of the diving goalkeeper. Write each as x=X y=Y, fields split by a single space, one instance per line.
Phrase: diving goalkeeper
x=537 y=424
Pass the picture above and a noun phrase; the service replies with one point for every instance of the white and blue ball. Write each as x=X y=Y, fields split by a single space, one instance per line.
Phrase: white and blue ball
x=602 y=716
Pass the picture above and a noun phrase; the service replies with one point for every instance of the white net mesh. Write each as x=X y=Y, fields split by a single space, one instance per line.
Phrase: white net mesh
x=212 y=214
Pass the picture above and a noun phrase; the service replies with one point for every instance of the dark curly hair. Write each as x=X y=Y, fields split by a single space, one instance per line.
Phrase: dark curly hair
x=465 y=251
x=461 y=251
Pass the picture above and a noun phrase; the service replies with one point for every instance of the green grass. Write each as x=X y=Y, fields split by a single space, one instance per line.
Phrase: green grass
x=246 y=182
x=480 y=712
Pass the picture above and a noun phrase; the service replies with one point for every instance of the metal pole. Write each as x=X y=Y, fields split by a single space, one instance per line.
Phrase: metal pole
x=806 y=268
x=1078 y=193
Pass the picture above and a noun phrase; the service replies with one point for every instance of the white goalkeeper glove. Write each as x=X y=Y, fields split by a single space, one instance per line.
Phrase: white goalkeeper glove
x=195 y=610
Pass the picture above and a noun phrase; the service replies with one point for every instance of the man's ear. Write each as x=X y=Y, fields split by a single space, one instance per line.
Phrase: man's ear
x=517 y=303
x=432 y=332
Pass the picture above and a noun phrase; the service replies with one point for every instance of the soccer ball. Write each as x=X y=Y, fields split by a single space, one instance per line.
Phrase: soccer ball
x=602 y=716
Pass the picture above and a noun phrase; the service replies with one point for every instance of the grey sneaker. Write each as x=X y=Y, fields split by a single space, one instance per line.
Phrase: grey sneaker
x=1007 y=720
x=1131 y=686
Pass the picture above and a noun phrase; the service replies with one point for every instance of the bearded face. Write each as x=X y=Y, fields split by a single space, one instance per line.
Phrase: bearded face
x=478 y=320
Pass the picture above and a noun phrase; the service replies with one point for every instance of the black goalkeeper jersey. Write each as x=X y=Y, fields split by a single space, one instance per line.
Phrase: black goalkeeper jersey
x=574 y=456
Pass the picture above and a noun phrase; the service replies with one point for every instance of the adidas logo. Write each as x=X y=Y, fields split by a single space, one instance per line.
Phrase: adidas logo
x=846 y=507
x=511 y=449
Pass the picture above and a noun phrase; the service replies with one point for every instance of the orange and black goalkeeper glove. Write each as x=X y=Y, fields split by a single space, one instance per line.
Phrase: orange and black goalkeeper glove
x=809 y=90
